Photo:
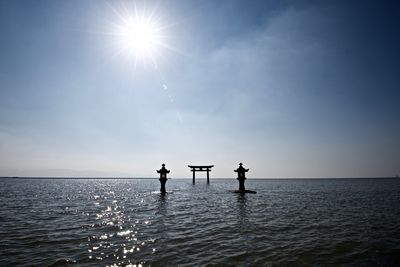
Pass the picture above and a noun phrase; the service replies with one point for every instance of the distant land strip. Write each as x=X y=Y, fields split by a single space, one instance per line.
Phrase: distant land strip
x=201 y=178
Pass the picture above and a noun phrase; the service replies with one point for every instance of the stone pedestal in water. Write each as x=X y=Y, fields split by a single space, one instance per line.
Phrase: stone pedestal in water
x=163 y=178
x=241 y=178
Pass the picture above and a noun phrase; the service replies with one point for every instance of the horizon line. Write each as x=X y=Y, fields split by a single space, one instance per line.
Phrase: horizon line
x=182 y=178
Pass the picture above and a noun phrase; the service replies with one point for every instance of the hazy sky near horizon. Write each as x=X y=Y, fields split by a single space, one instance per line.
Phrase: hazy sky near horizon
x=289 y=88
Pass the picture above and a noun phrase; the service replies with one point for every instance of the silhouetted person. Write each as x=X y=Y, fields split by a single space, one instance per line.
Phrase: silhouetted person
x=163 y=178
x=241 y=177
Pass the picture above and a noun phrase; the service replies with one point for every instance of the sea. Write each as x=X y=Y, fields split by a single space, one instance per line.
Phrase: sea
x=127 y=222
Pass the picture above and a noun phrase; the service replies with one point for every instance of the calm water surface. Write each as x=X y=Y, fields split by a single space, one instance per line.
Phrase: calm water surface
x=96 y=222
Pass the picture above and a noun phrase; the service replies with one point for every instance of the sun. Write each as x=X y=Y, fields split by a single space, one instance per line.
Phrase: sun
x=140 y=37
x=139 y=34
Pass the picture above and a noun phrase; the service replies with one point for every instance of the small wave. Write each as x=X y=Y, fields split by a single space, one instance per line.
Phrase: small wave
x=62 y=262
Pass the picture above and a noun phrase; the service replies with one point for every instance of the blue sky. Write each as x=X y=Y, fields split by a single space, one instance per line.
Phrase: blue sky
x=289 y=88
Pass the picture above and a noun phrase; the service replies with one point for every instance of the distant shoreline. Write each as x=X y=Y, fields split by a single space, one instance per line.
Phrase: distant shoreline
x=156 y=178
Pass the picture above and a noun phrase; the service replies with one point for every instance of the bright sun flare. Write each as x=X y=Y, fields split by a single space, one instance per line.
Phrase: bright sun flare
x=140 y=37
x=139 y=34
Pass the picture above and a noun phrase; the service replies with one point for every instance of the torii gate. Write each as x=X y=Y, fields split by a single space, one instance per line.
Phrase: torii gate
x=206 y=168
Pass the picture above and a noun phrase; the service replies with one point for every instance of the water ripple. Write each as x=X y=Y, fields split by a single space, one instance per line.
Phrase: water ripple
x=128 y=223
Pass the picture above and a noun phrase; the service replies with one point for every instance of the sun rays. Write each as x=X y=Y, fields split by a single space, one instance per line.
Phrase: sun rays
x=139 y=34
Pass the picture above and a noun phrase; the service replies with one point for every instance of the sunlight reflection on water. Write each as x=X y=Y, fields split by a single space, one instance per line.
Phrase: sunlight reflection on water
x=128 y=223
